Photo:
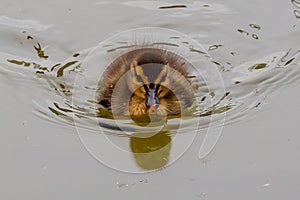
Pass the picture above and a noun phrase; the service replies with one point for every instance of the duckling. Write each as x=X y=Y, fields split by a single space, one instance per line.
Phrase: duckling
x=146 y=81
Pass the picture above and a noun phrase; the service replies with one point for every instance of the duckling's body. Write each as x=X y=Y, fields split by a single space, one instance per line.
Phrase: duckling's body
x=147 y=80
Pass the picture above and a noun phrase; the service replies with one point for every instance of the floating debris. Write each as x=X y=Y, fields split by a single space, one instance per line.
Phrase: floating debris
x=214 y=47
x=203 y=99
x=256 y=106
x=289 y=61
x=242 y=32
x=255 y=26
x=16 y=62
x=40 y=69
x=215 y=62
x=192 y=49
x=60 y=72
x=76 y=54
x=40 y=51
x=172 y=6
x=52 y=68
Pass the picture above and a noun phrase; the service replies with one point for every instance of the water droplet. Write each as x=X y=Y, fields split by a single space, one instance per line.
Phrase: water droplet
x=122 y=184
x=254 y=36
x=267 y=184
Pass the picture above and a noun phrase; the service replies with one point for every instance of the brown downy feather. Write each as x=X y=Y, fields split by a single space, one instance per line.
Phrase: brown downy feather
x=114 y=88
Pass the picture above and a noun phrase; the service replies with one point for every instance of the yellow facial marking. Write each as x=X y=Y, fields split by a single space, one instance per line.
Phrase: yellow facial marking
x=139 y=71
x=134 y=83
x=161 y=74
x=140 y=92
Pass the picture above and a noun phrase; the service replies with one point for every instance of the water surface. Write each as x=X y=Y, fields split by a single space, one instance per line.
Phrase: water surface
x=255 y=49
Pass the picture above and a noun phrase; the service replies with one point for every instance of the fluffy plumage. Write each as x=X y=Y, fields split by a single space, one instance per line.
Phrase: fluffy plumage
x=146 y=81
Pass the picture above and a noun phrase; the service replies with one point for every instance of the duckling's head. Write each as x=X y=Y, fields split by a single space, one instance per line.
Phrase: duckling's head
x=148 y=82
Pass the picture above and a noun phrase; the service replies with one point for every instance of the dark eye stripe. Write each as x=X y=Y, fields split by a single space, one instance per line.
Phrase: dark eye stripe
x=145 y=87
x=157 y=88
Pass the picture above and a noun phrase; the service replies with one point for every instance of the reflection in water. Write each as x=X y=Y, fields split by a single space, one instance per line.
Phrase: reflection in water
x=151 y=151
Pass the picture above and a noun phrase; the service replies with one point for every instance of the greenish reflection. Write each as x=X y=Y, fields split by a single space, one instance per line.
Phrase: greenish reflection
x=151 y=151
x=40 y=51
x=60 y=72
x=257 y=66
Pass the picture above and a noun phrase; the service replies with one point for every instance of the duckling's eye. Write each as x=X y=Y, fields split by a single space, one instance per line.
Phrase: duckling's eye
x=160 y=93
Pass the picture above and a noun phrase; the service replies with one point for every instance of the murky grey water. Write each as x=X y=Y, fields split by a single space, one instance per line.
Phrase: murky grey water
x=48 y=84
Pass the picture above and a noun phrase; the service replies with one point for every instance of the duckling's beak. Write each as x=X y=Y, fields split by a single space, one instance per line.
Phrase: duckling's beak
x=152 y=101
